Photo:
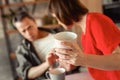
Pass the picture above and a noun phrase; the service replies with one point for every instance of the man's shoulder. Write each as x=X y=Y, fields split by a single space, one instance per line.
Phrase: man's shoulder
x=25 y=42
x=53 y=30
x=23 y=46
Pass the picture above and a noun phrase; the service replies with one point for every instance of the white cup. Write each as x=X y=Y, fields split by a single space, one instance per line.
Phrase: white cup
x=64 y=36
x=56 y=74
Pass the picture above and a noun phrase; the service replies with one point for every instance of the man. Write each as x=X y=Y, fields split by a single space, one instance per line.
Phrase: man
x=35 y=53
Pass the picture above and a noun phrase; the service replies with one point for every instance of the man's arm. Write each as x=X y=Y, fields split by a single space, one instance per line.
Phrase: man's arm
x=25 y=68
x=37 y=70
x=40 y=69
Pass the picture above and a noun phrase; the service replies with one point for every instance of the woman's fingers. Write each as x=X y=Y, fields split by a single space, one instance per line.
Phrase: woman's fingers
x=69 y=45
x=69 y=61
x=52 y=51
x=63 y=53
x=63 y=50
x=66 y=52
x=63 y=56
x=67 y=56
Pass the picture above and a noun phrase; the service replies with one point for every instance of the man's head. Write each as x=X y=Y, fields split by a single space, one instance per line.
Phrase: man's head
x=26 y=25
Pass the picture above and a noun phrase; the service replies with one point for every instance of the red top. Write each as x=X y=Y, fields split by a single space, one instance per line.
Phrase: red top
x=101 y=37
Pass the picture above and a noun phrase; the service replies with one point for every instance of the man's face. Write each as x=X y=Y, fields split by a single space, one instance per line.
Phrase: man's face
x=28 y=29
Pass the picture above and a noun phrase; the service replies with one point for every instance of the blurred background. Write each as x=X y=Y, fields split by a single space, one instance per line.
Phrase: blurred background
x=10 y=39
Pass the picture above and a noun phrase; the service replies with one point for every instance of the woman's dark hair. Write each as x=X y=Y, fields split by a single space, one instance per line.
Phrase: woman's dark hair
x=67 y=11
x=19 y=16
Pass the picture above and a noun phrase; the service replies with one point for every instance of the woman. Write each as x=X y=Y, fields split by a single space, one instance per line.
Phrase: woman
x=100 y=39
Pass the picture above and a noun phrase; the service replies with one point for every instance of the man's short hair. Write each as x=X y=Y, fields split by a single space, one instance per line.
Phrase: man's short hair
x=20 y=16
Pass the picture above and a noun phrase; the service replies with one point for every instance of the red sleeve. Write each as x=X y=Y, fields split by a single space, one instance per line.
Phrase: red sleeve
x=105 y=33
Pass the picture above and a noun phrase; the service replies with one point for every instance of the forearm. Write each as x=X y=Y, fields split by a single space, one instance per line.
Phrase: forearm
x=105 y=62
x=38 y=70
x=77 y=57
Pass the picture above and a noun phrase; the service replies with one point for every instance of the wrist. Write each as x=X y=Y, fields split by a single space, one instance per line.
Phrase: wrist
x=83 y=59
x=47 y=64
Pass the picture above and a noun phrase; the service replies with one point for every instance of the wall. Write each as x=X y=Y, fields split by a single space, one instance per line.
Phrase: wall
x=5 y=67
x=94 y=5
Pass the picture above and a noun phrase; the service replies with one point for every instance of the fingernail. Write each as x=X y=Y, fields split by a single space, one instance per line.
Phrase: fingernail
x=62 y=42
x=56 y=49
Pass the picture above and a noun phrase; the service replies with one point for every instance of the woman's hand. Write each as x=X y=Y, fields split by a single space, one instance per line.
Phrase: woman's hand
x=73 y=55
